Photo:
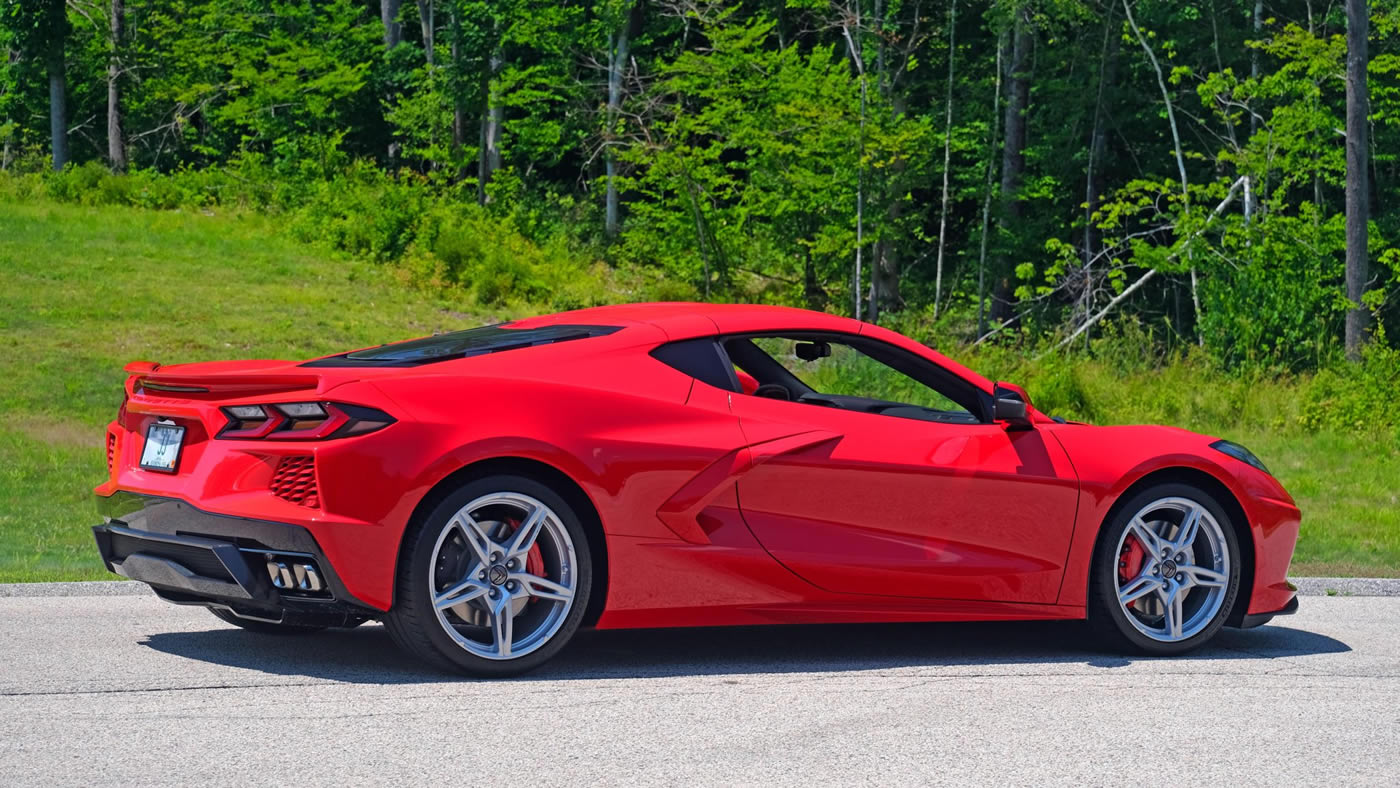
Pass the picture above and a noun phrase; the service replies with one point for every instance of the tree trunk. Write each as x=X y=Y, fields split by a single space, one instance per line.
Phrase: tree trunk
x=1358 y=164
x=1013 y=154
x=459 y=112
x=116 y=141
x=617 y=67
x=389 y=15
x=489 y=159
x=987 y=196
x=811 y=291
x=425 y=21
x=947 y=157
x=58 y=107
x=1250 y=193
x=858 y=278
x=1098 y=148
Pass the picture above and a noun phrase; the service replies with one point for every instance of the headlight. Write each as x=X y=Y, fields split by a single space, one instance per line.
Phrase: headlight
x=1240 y=453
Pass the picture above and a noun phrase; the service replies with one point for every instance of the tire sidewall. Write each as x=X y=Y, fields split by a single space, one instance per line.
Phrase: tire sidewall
x=1105 y=574
x=414 y=575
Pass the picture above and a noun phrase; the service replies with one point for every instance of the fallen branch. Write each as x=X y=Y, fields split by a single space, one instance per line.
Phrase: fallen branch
x=1135 y=286
x=1000 y=328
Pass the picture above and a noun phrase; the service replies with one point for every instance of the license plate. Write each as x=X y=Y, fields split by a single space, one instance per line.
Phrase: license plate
x=162 y=450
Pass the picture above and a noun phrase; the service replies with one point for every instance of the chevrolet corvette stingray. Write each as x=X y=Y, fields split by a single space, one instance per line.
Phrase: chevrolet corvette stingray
x=486 y=492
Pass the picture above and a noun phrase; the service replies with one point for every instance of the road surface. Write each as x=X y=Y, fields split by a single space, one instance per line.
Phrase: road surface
x=128 y=690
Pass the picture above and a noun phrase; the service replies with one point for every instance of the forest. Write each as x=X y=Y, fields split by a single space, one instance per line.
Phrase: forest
x=1030 y=173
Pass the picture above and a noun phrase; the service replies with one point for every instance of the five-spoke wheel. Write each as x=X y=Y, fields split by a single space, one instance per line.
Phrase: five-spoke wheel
x=504 y=575
x=1166 y=572
x=497 y=578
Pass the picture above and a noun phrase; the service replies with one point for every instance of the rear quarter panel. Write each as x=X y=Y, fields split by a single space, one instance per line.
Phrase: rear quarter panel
x=624 y=426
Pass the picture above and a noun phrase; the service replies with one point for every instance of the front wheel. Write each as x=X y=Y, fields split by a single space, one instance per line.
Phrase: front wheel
x=495 y=580
x=1166 y=571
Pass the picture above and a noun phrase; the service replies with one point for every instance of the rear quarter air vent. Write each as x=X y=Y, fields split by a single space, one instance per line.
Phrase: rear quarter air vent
x=294 y=480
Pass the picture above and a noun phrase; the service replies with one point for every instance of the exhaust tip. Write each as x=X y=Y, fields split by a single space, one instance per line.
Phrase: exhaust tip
x=294 y=576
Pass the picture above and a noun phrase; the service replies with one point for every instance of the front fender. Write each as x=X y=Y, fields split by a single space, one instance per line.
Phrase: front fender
x=1111 y=461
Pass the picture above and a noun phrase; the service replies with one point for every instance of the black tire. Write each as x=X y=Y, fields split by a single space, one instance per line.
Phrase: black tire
x=413 y=624
x=263 y=627
x=1109 y=620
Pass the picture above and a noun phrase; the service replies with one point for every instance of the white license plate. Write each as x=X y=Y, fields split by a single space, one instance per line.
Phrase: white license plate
x=162 y=450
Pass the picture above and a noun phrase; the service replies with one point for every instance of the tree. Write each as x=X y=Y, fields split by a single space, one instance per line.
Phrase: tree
x=116 y=140
x=38 y=31
x=389 y=16
x=619 y=16
x=1358 y=165
x=947 y=158
x=1013 y=152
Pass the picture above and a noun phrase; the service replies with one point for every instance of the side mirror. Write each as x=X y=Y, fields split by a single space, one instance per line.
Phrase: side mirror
x=1009 y=407
x=811 y=351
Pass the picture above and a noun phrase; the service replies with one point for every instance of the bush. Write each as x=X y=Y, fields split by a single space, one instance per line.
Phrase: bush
x=1355 y=397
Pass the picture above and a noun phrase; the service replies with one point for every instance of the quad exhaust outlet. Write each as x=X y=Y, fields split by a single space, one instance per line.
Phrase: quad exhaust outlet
x=294 y=576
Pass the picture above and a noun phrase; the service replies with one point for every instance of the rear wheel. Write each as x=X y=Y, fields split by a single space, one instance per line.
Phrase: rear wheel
x=1166 y=571
x=495 y=580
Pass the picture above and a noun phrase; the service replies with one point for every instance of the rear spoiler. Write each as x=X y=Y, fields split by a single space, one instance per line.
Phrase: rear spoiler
x=201 y=383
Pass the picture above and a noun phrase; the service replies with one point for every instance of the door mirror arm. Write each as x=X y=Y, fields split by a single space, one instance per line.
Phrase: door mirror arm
x=1010 y=409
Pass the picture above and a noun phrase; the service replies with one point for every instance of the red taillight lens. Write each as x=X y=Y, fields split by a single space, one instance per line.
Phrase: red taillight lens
x=301 y=421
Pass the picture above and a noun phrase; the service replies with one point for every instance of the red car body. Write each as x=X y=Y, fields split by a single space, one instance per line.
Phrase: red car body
x=708 y=506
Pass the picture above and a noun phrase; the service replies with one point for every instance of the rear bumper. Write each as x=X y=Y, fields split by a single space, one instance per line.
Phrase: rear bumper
x=255 y=568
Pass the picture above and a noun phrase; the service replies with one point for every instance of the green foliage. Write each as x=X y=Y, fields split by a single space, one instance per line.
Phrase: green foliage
x=747 y=137
x=1278 y=305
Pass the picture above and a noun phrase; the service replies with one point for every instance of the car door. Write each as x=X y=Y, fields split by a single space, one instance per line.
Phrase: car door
x=893 y=503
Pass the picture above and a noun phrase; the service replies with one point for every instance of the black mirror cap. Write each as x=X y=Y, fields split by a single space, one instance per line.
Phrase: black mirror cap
x=1009 y=408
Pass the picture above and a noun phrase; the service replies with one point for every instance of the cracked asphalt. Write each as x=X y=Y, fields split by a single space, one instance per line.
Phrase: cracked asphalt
x=128 y=690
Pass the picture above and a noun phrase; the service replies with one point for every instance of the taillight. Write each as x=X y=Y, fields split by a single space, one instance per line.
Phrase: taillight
x=301 y=421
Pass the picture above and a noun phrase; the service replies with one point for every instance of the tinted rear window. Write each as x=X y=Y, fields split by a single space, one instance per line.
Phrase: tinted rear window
x=461 y=344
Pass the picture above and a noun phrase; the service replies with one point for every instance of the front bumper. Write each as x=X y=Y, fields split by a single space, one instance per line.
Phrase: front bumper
x=1252 y=620
x=257 y=569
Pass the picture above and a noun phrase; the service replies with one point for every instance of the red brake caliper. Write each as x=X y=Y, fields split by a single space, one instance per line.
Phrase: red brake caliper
x=534 y=560
x=1130 y=561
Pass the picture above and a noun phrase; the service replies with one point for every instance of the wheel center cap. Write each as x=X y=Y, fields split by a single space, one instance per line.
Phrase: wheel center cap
x=1168 y=569
x=497 y=575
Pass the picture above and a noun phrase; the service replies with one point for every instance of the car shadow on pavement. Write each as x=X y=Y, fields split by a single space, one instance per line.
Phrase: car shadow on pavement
x=366 y=655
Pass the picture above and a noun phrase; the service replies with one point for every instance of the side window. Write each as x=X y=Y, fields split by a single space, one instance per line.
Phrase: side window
x=868 y=377
x=699 y=358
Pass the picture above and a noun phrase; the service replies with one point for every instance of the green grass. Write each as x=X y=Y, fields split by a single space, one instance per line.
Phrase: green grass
x=85 y=290
x=1347 y=483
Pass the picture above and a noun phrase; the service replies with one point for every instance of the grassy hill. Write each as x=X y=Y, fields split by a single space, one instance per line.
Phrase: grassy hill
x=85 y=290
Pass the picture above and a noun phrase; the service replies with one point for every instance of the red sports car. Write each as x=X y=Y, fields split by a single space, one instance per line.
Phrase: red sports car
x=487 y=492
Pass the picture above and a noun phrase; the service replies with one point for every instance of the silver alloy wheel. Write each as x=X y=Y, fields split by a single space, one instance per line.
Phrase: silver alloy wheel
x=503 y=577
x=1185 y=570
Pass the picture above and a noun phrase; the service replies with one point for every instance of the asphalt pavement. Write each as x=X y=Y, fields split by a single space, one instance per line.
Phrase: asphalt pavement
x=128 y=690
